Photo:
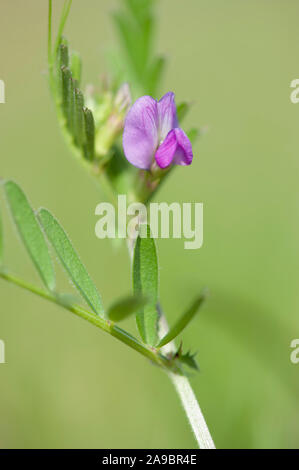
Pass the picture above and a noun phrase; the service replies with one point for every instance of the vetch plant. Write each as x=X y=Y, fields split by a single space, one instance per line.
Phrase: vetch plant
x=94 y=124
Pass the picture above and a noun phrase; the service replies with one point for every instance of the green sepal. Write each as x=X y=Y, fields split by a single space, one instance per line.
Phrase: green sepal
x=186 y=359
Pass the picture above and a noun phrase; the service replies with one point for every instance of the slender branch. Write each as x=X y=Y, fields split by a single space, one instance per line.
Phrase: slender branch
x=187 y=396
x=105 y=325
x=193 y=411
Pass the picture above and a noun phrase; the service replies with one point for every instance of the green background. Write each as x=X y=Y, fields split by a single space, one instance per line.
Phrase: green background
x=67 y=384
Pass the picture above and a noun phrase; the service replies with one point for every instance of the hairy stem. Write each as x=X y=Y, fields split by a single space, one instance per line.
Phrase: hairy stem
x=193 y=411
x=187 y=396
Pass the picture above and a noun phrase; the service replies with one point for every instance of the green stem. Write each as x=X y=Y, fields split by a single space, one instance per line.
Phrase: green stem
x=64 y=15
x=187 y=396
x=105 y=325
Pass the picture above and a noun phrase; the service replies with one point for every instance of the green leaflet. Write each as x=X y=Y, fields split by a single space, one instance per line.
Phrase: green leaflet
x=145 y=283
x=78 y=117
x=71 y=261
x=125 y=307
x=30 y=232
x=183 y=321
x=89 y=138
x=63 y=56
x=67 y=96
x=142 y=69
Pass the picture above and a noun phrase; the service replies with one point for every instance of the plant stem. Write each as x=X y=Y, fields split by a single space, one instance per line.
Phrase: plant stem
x=192 y=410
x=186 y=394
x=105 y=325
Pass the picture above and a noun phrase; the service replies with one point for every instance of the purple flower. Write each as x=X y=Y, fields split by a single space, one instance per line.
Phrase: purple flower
x=152 y=133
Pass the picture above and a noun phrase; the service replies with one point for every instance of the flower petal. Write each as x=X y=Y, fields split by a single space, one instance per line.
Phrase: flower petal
x=176 y=149
x=184 y=153
x=167 y=115
x=167 y=150
x=140 y=138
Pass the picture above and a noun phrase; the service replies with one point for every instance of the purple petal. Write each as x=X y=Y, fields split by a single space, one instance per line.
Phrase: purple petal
x=167 y=150
x=167 y=115
x=184 y=153
x=176 y=149
x=140 y=138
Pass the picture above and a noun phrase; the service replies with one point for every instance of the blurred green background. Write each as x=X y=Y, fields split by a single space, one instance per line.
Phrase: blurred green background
x=67 y=384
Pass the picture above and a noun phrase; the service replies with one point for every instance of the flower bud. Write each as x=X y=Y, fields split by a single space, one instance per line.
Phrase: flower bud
x=111 y=113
